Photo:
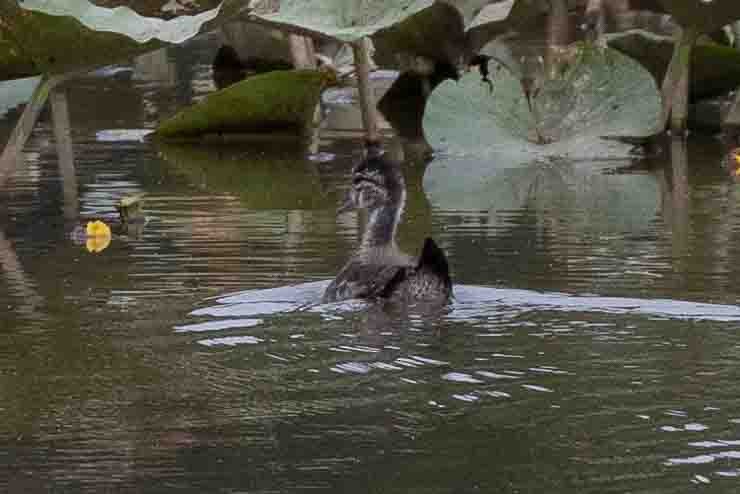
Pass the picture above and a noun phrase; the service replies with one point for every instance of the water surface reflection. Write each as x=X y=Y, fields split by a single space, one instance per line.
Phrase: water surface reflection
x=592 y=345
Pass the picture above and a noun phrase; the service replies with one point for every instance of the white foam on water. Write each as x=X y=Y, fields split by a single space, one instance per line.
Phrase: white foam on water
x=533 y=387
x=471 y=303
x=231 y=341
x=460 y=377
x=218 y=325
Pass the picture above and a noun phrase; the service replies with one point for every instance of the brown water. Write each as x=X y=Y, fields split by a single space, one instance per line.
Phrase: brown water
x=593 y=344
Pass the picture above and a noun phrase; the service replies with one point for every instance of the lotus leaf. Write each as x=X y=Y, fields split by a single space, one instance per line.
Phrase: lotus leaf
x=123 y=20
x=344 y=20
x=491 y=156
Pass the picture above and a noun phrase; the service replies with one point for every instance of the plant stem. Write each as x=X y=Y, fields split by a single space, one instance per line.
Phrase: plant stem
x=675 y=90
x=367 y=102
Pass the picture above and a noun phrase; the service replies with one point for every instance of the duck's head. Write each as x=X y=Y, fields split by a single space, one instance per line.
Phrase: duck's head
x=377 y=182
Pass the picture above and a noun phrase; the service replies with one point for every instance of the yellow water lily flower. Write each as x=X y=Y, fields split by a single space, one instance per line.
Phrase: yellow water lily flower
x=98 y=236
x=97 y=229
x=735 y=154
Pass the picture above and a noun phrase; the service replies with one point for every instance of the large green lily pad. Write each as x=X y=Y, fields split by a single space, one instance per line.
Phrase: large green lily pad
x=488 y=137
x=57 y=37
x=344 y=20
x=33 y=43
x=280 y=100
x=124 y=20
x=600 y=93
x=165 y=9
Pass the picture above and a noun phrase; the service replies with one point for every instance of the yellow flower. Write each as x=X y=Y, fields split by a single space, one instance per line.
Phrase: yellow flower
x=98 y=236
x=97 y=229
x=735 y=153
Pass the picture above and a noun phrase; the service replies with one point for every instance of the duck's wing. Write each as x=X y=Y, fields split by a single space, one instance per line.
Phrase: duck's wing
x=362 y=280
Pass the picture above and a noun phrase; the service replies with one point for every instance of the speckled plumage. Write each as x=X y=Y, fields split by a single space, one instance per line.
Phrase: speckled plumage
x=379 y=269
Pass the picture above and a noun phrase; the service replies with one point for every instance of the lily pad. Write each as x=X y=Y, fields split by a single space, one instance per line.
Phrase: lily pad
x=491 y=157
x=600 y=93
x=344 y=20
x=124 y=20
x=278 y=100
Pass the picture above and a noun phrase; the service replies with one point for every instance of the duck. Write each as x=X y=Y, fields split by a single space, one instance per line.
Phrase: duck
x=378 y=269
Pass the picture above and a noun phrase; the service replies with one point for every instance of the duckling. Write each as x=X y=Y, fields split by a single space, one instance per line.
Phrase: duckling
x=379 y=269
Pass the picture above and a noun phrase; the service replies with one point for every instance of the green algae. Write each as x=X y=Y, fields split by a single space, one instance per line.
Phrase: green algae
x=283 y=100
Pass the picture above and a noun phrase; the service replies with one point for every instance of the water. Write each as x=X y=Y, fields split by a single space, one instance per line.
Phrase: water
x=592 y=345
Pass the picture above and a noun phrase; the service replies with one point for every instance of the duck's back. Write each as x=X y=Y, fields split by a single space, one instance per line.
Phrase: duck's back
x=393 y=275
x=428 y=280
x=367 y=275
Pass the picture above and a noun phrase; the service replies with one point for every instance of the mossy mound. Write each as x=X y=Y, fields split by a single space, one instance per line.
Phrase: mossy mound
x=280 y=101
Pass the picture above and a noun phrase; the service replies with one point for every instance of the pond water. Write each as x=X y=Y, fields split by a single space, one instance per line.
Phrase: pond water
x=592 y=345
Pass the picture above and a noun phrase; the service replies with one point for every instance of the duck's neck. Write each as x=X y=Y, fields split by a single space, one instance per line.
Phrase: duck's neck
x=381 y=227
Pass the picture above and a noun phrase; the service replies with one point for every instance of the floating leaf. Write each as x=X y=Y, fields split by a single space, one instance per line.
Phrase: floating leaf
x=600 y=93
